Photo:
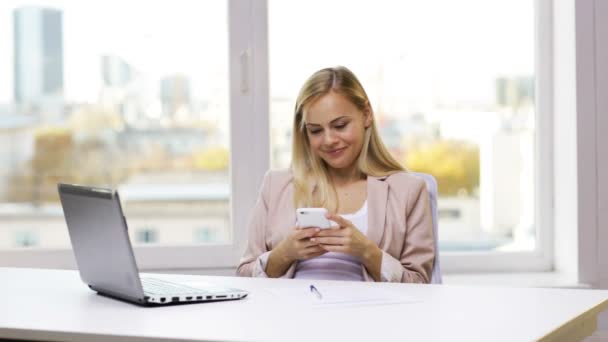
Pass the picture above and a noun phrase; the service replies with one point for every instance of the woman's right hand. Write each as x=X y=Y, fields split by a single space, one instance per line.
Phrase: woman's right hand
x=296 y=246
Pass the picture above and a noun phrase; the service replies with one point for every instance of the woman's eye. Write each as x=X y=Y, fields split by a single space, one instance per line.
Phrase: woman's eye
x=340 y=126
x=314 y=132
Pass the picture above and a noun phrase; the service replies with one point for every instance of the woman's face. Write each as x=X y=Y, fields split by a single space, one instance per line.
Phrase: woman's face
x=336 y=128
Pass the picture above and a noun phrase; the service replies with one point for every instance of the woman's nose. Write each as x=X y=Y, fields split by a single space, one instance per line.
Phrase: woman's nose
x=329 y=137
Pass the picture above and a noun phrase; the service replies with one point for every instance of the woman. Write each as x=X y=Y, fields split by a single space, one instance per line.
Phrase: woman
x=340 y=163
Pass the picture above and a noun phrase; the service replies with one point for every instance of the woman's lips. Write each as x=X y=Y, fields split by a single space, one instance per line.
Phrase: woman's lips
x=336 y=152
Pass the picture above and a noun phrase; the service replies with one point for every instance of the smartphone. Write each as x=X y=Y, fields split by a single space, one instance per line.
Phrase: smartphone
x=313 y=217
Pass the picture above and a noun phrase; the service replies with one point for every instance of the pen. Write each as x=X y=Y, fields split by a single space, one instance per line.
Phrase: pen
x=314 y=290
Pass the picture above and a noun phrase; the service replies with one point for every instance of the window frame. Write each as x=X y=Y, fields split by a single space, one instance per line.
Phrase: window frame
x=540 y=259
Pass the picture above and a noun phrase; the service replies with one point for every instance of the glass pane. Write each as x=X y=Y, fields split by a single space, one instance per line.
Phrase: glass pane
x=452 y=87
x=115 y=94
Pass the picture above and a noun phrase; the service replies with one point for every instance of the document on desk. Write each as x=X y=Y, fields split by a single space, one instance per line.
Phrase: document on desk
x=338 y=295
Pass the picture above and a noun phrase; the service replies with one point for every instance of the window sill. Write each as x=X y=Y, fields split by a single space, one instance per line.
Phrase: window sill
x=520 y=279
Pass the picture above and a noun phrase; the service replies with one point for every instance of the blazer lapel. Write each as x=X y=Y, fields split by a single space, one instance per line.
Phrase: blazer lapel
x=377 y=200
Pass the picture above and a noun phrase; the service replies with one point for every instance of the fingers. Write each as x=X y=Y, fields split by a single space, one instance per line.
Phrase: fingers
x=314 y=255
x=332 y=232
x=305 y=243
x=330 y=240
x=336 y=248
x=305 y=233
x=312 y=252
x=341 y=221
x=303 y=238
x=312 y=249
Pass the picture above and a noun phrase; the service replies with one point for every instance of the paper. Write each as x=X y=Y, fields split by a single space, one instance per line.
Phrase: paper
x=341 y=295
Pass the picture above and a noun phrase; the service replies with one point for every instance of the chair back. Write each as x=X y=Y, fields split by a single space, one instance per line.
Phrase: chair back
x=431 y=186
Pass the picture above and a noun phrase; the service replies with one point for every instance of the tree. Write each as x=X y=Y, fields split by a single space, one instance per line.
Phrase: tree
x=455 y=165
x=52 y=162
x=211 y=159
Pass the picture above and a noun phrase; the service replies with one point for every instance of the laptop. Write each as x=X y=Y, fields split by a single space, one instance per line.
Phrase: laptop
x=99 y=236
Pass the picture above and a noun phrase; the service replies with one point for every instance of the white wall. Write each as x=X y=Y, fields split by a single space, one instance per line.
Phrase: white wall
x=592 y=120
x=601 y=29
x=592 y=108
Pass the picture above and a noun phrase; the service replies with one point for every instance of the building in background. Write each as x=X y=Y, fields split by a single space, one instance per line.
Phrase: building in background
x=120 y=92
x=175 y=96
x=115 y=71
x=38 y=59
x=514 y=91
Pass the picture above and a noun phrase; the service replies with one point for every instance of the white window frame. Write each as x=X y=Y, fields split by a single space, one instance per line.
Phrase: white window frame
x=541 y=259
x=249 y=137
x=581 y=166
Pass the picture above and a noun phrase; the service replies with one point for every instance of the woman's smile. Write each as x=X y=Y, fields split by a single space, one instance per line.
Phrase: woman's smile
x=335 y=152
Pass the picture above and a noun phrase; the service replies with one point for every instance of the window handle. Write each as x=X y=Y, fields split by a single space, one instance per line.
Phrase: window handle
x=245 y=58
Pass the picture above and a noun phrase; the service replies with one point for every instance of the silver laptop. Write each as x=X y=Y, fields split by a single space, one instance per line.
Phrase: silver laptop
x=98 y=232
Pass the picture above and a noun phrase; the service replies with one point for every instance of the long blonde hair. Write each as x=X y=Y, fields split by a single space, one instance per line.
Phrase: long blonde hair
x=310 y=173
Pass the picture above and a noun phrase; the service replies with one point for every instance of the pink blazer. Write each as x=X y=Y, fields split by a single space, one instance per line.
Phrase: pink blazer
x=399 y=217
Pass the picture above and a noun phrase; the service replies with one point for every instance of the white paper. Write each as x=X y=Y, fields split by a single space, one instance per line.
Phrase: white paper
x=341 y=295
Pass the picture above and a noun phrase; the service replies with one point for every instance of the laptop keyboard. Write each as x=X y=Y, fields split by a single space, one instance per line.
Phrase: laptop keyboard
x=165 y=288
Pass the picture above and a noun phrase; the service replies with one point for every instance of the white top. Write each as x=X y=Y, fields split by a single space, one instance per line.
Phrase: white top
x=332 y=265
x=54 y=305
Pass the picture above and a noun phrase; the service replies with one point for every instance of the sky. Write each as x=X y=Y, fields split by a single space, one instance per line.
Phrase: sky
x=453 y=49
x=158 y=38
x=408 y=52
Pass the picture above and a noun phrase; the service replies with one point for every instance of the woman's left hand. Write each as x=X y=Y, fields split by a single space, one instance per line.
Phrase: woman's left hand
x=344 y=239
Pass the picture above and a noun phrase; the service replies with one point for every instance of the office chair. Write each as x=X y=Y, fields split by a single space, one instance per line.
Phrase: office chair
x=431 y=186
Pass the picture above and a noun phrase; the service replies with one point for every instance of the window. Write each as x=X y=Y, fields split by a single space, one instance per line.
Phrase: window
x=109 y=106
x=146 y=235
x=453 y=90
x=25 y=239
x=138 y=98
x=184 y=107
x=205 y=234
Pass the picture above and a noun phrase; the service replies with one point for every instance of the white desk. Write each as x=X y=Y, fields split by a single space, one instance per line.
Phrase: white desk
x=55 y=305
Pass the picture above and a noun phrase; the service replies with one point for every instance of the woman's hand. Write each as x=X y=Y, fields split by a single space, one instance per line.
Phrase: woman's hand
x=344 y=239
x=348 y=239
x=296 y=246
x=299 y=245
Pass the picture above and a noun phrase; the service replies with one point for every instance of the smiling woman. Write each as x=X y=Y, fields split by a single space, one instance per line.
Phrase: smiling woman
x=334 y=95
x=338 y=136
x=384 y=230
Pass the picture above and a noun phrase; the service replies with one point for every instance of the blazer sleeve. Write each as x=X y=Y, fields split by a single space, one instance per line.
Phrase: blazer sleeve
x=256 y=244
x=253 y=261
x=415 y=264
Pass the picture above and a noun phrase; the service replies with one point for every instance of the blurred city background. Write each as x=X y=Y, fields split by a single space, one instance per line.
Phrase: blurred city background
x=139 y=101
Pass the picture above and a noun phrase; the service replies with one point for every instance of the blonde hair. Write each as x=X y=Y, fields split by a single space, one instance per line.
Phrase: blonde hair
x=310 y=172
